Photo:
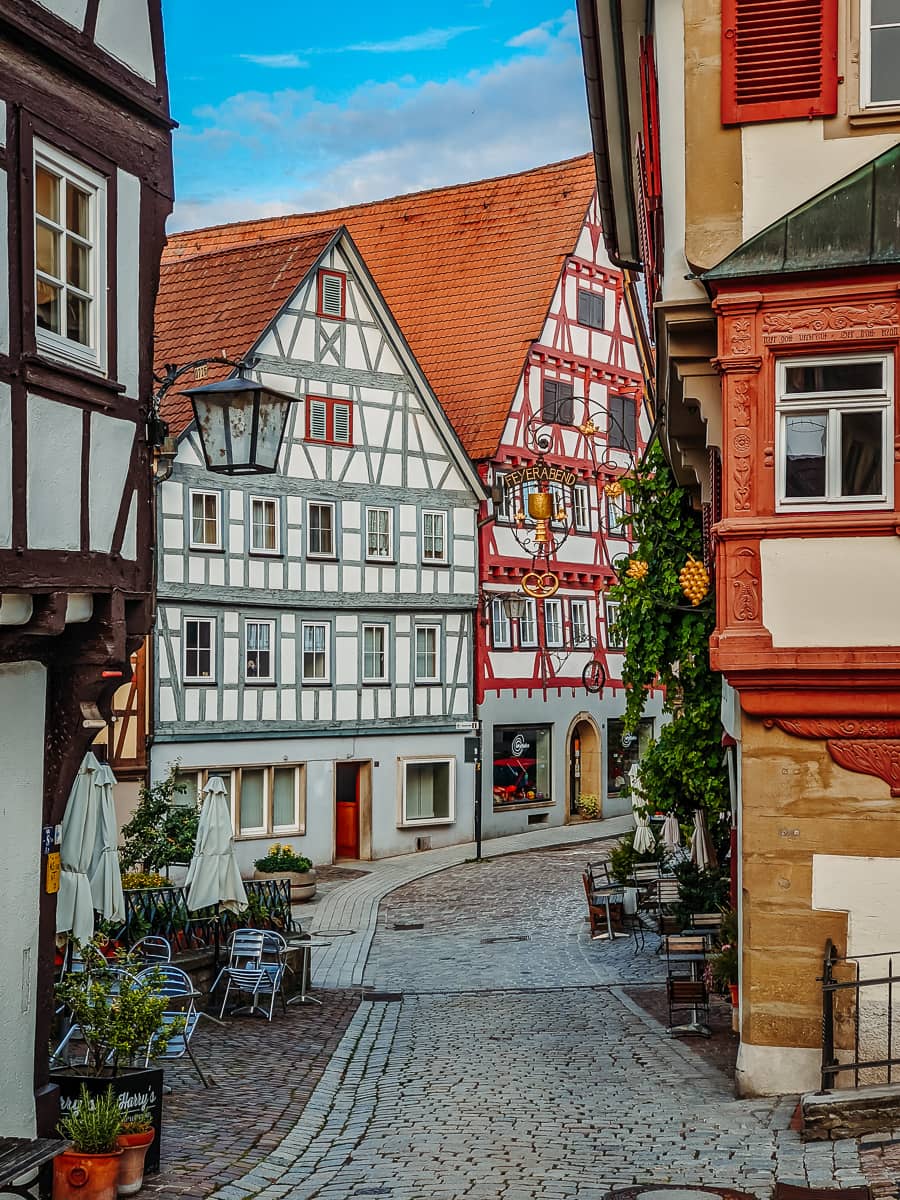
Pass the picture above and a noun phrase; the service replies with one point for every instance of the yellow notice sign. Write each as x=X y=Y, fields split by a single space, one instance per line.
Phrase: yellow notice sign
x=53 y=872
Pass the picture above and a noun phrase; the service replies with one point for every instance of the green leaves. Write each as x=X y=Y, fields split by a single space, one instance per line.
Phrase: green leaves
x=161 y=832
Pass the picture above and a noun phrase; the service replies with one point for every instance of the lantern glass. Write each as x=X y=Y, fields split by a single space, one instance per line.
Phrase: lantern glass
x=241 y=425
x=515 y=606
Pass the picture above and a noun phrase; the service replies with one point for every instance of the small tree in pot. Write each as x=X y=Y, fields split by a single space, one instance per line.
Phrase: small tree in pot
x=285 y=862
x=90 y=1169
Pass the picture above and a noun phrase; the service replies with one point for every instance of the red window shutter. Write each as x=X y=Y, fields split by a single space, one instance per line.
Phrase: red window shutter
x=779 y=60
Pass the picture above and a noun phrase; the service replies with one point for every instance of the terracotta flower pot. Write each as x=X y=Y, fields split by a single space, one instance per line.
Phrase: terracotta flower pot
x=735 y=995
x=303 y=883
x=134 y=1151
x=86 y=1176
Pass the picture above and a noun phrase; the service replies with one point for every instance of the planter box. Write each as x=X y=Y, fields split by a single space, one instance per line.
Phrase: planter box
x=134 y=1089
x=303 y=883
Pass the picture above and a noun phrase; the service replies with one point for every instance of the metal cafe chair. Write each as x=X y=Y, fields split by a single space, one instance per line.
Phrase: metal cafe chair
x=252 y=971
x=152 y=949
x=181 y=1006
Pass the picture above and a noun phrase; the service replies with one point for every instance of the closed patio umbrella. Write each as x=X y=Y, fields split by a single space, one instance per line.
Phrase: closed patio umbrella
x=644 y=841
x=213 y=876
x=702 y=852
x=75 y=902
x=104 y=874
x=671 y=832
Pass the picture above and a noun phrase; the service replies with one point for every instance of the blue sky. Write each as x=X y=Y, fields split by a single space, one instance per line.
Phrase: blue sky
x=293 y=105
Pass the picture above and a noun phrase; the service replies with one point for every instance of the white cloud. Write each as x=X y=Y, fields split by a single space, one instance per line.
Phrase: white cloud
x=275 y=60
x=541 y=36
x=289 y=151
x=428 y=39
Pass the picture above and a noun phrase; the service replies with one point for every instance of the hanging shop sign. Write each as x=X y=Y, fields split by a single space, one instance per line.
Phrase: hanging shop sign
x=541 y=472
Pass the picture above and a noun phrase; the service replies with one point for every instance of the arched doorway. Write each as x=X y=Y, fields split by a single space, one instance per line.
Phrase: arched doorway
x=584 y=776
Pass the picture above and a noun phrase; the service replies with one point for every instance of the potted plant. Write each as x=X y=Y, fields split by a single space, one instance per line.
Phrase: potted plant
x=134 y=1140
x=589 y=805
x=116 y=1018
x=723 y=965
x=90 y=1168
x=284 y=862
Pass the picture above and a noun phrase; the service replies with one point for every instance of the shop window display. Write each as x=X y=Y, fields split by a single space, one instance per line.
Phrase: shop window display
x=521 y=765
x=623 y=750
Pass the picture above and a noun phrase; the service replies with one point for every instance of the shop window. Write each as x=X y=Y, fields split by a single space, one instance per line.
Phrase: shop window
x=623 y=750
x=521 y=765
x=427 y=791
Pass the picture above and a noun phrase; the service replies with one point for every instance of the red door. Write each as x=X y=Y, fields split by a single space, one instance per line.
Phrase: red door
x=346 y=818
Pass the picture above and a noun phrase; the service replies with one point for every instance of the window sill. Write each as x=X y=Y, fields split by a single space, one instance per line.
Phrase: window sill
x=205 y=549
x=435 y=562
x=315 y=683
x=265 y=554
x=199 y=682
x=321 y=557
x=427 y=682
x=260 y=683
x=380 y=562
x=519 y=805
x=868 y=117
x=376 y=683
x=43 y=370
x=427 y=821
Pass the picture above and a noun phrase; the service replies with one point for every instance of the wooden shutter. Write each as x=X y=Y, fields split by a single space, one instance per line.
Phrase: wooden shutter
x=317 y=421
x=779 y=60
x=341 y=414
x=558 y=403
x=331 y=294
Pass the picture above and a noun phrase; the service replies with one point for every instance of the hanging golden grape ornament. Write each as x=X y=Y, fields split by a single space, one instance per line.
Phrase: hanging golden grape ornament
x=637 y=569
x=694 y=580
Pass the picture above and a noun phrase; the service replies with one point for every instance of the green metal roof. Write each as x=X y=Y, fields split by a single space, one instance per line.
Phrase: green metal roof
x=854 y=223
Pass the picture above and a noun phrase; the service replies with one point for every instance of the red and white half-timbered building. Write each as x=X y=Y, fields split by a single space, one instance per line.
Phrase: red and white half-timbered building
x=86 y=175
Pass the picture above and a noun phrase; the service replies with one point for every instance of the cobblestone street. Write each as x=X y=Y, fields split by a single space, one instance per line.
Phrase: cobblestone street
x=502 y=1054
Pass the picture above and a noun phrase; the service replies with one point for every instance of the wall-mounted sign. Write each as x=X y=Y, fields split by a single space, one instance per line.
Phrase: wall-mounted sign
x=52 y=872
x=540 y=473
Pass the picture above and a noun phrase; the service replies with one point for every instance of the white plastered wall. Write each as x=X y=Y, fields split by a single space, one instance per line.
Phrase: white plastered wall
x=22 y=702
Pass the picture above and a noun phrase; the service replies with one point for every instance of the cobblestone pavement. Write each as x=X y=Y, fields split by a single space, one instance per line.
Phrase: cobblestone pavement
x=520 y=1069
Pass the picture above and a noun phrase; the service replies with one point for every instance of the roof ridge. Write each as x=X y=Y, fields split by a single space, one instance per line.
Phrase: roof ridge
x=324 y=212
x=242 y=247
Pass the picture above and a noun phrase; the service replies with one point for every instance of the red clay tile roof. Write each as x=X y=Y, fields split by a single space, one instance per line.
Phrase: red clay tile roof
x=467 y=271
x=217 y=305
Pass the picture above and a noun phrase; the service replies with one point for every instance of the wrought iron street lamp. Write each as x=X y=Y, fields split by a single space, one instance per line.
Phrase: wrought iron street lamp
x=240 y=421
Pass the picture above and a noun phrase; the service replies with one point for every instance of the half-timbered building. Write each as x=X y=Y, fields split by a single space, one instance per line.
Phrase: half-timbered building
x=503 y=290
x=85 y=167
x=314 y=641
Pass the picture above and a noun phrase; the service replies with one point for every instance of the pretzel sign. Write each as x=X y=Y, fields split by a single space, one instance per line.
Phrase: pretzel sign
x=540 y=586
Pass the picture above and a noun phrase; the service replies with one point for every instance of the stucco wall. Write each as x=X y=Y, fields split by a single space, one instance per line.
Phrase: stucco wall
x=22 y=699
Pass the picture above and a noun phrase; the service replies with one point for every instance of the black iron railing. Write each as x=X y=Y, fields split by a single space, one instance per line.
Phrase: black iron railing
x=164 y=911
x=858 y=1036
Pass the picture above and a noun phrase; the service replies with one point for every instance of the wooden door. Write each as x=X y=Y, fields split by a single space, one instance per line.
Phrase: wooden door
x=346 y=804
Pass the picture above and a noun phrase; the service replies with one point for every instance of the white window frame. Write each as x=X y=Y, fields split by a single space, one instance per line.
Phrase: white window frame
x=299 y=823
x=435 y=513
x=270 y=678
x=529 y=622
x=237 y=788
x=612 y=616
x=388 y=556
x=315 y=680
x=94 y=355
x=554 y=606
x=211 y=623
x=501 y=626
x=232 y=776
x=834 y=403
x=325 y=554
x=424 y=627
x=865 y=60
x=405 y=821
x=205 y=493
x=583 y=607
x=581 y=507
x=384 y=677
x=617 y=505
x=275 y=502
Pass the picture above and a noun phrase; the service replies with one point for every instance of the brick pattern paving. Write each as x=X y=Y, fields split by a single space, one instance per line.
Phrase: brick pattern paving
x=880 y=1157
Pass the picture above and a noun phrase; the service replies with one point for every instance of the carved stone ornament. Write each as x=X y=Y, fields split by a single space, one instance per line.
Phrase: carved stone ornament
x=744 y=578
x=868 y=747
x=741 y=446
x=843 y=316
x=741 y=339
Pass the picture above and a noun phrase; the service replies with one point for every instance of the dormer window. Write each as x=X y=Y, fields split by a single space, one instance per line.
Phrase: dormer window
x=329 y=420
x=332 y=286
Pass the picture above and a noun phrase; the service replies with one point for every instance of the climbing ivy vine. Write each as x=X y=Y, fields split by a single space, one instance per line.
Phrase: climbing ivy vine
x=667 y=642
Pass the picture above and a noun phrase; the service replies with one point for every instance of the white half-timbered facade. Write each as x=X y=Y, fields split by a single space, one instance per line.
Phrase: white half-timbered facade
x=314 y=640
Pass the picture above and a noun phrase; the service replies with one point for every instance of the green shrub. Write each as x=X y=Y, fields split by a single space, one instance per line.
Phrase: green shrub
x=160 y=832
x=622 y=860
x=94 y=1123
x=589 y=805
x=282 y=858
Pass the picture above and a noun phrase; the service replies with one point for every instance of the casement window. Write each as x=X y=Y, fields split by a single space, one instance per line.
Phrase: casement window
x=375 y=651
x=265 y=532
x=500 y=626
x=428 y=791
x=834 y=432
x=199 y=650
x=528 y=630
x=614 y=640
x=379 y=533
x=69 y=258
x=428 y=646
x=329 y=420
x=590 y=308
x=259 y=651
x=879 y=53
x=263 y=799
x=779 y=61
x=558 y=403
x=434 y=537
x=331 y=295
x=581 y=631
x=581 y=502
x=206 y=533
x=617 y=509
x=622 y=423
x=316 y=651
x=320 y=530
x=503 y=497
x=553 y=629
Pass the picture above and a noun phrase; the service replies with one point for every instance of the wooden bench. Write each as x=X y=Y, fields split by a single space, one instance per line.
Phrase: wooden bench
x=22 y=1156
